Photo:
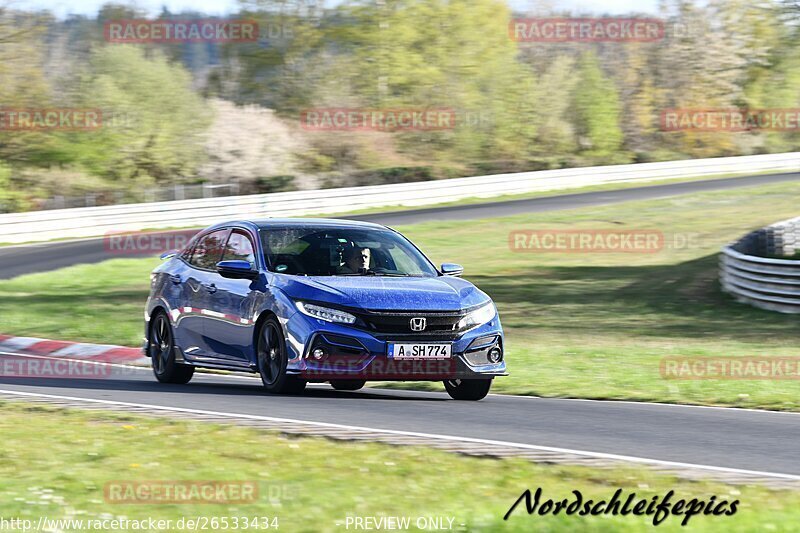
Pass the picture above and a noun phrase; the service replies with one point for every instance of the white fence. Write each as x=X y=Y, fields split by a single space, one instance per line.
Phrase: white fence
x=95 y=221
x=764 y=282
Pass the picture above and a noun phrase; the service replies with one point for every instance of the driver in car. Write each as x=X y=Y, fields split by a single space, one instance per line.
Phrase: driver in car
x=356 y=260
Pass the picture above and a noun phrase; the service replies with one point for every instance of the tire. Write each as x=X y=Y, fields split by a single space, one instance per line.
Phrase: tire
x=161 y=349
x=468 y=389
x=272 y=360
x=348 y=384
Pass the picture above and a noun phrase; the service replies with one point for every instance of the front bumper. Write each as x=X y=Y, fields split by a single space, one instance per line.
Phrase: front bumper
x=353 y=353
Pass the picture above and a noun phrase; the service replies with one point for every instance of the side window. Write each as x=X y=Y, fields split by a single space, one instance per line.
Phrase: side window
x=208 y=251
x=186 y=255
x=239 y=247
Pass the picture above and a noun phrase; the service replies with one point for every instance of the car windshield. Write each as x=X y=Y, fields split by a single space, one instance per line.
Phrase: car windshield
x=342 y=251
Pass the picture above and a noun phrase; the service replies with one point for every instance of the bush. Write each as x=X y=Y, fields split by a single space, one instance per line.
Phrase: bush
x=274 y=184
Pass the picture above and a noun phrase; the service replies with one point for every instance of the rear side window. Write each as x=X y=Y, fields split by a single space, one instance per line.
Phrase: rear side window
x=186 y=254
x=208 y=251
x=239 y=247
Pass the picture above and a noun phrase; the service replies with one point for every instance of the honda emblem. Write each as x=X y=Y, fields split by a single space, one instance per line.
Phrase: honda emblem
x=419 y=323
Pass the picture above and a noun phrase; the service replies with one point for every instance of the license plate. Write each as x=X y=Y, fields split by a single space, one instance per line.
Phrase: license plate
x=420 y=351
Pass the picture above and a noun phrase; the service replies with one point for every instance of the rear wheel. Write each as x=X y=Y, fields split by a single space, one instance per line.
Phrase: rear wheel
x=348 y=384
x=161 y=348
x=273 y=360
x=468 y=389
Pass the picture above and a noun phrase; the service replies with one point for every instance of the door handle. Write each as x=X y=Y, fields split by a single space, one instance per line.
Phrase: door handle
x=174 y=278
x=211 y=288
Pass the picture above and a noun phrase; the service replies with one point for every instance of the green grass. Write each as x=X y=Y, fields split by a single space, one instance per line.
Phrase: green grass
x=577 y=324
x=597 y=325
x=101 y=303
x=56 y=463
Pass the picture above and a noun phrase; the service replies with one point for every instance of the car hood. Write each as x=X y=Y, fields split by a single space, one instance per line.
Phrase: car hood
x=441 y=293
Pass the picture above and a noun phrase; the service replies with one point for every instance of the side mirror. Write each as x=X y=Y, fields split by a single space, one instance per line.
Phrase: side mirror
x=452 y=269
x=168 y=254
x=236 y=269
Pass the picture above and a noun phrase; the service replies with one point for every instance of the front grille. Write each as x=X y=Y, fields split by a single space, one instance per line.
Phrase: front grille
x=417 y=337
x=442 y=324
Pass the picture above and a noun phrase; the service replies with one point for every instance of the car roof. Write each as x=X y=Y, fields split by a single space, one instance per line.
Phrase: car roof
x=267 y=223
x=339 y=222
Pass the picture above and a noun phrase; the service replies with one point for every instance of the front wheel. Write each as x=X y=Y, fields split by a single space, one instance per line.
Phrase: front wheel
x=161 y=349
x=273 y=360
x=468 y=389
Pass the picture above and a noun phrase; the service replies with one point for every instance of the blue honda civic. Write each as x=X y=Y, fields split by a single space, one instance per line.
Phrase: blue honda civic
x=307 y=300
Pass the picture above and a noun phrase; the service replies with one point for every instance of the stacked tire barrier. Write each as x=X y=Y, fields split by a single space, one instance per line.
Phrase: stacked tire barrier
x=758 y=269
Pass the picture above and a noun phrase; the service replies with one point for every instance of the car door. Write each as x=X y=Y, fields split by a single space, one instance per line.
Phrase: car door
x=199 y=282
x=229 y=331
x=177 y=294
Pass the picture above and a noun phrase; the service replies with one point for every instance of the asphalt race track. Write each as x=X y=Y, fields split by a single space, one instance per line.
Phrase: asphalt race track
x=731 y=438
x=17 y=260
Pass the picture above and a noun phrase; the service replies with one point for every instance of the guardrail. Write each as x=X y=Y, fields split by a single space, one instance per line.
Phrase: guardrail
x=749 y=271
x=95 y=221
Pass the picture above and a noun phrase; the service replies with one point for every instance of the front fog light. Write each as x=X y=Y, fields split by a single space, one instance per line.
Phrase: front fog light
x=495 y=355
x=318 y=354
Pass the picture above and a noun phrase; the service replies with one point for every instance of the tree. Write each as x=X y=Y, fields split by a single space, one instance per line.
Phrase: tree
x=699 y=68
x=153 y=121
x=281 y=70
x=772 y=58
x=555 y=132
x=435 y=54
x=22 y=80
x=597 y=111
x=246 y=143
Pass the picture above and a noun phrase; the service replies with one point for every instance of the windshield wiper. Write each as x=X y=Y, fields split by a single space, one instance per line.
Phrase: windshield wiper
x=373 y=273
x=387 y=274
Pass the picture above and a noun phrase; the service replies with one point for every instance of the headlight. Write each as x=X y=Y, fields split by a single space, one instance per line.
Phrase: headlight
x=325 y=313
x=480 y=316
